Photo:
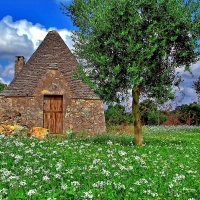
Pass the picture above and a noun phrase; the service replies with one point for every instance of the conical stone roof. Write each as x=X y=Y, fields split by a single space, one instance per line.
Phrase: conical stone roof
x=52 y=52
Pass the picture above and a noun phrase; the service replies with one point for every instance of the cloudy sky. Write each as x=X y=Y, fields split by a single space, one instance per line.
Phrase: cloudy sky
x=25 y=23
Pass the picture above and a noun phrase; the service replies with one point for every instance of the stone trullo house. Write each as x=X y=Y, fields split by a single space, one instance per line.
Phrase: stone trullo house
x=44 y=94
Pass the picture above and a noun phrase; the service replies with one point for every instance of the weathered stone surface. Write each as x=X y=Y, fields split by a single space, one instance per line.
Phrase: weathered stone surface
x=48 y=72
x=11 y=130
x=35 y=132
x=38 y=133
x=89 y=113
x=19 y=64
x=29 y=111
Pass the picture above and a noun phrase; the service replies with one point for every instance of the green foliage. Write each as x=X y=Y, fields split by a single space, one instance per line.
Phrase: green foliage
x=155 y=118
x=149 y=113
x=2 y=87
x=147 y=104
x=116 y=115
x=126 y=43
x=187 y=112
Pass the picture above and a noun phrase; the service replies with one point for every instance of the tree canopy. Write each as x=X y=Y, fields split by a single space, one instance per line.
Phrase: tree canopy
x=2 y=87
x=134 y=45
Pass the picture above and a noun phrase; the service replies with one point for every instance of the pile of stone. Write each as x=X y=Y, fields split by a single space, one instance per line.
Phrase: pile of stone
x=35 y=132
x=11 y=130
x=38 y=133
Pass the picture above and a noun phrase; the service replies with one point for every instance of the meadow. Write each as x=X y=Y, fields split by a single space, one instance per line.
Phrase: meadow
x=107 y=166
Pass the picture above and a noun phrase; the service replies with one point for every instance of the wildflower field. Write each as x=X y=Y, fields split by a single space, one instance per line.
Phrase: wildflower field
x=107 y=166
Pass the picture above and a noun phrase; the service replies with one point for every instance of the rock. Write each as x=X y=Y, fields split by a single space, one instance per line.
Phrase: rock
x=38 y=133
x=1 y=129
x=6 y=129
x=11 y=130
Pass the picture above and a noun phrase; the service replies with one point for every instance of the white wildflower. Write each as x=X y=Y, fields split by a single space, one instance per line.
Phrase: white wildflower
x=122 y=153
x=121 y=167
x=75 y=184
x=171 y=185
x=28 y=171
x=109 y=142
x=130 y=168
x=113 y=165
x=88 y=195
x=191 y=172
x=105 y=172
x=137 y=183
x=54 y=152
x=45 y=178
x=137 y=158
x=154 y=194
x=59 y=166
x=17 y=158
x=95 y=161
x=64 y=186
x=181 y=166
x=119 y=186
x=22 y=183
x=116 y=174
x=33 y=144
x=4 y=191
x=31 y=192
x=189 y=189
x=58 y=176
x=99 y=184
x=13 y=177
x=178 y=177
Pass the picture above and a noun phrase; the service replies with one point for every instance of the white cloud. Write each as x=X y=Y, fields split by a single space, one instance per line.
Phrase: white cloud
x=21 y=38
x=7 y=71
x=3 y=81
x=11 y=42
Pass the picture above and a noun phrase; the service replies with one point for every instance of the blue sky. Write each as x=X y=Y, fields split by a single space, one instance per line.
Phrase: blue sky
x=25 y=23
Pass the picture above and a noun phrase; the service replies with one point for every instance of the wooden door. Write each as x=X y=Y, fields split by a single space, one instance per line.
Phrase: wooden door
x=53 y=113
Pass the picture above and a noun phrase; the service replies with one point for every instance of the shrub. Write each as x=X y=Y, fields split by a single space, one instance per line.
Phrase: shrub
x=155 y=118
x=116 y=115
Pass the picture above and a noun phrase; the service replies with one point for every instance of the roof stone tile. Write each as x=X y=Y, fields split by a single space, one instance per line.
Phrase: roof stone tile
x=52 y=52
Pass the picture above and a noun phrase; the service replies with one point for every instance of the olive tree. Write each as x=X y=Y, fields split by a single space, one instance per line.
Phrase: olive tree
x=131 y=45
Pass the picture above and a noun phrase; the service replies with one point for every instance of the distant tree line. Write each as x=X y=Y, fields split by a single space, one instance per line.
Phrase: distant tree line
x=2 y=86
x=150 y=115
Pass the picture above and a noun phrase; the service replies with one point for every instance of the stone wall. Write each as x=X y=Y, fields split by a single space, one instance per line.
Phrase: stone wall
x=84 y=114
x=20 y=110
x=78 y=115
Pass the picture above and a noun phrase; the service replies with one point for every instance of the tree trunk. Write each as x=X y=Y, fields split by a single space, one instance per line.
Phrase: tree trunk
x=158 y=118
x=136 y=116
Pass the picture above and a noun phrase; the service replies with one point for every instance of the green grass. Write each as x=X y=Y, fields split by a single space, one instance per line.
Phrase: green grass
x=107 y=166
